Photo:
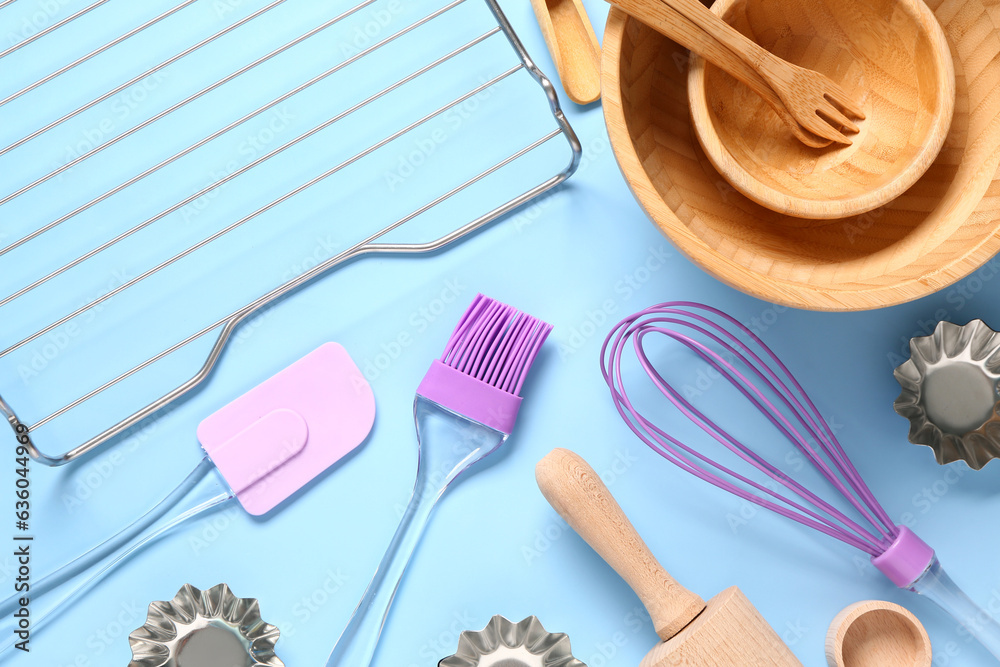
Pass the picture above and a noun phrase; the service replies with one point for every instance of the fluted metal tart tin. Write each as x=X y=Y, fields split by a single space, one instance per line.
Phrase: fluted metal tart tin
x=503 y=643
x=211 y=628
x=950 y=392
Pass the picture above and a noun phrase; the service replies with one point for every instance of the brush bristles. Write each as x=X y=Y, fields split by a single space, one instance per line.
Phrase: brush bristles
x=495 y=344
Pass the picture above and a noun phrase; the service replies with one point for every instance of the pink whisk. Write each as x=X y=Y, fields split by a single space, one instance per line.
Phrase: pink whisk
x=745 y=362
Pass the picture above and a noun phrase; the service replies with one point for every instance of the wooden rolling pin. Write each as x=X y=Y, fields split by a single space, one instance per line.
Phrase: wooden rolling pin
x=726 y=632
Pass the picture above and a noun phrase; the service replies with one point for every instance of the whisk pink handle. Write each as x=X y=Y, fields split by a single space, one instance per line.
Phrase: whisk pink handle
x=906 y=559
x=575 y=491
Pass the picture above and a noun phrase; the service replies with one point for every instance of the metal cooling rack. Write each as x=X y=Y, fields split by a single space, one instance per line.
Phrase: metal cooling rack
x=62 y=249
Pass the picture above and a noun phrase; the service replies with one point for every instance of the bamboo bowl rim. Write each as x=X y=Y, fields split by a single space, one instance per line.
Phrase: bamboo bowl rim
x=798 y=201
x=958 y=236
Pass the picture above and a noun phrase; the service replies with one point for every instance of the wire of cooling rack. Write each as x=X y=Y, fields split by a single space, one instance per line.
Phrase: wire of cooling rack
x=370 y=243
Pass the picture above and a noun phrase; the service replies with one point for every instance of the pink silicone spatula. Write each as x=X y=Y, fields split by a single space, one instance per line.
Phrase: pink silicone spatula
x=263 y=448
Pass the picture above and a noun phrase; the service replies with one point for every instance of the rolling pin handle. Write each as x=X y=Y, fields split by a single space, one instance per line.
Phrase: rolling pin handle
x=578 y=494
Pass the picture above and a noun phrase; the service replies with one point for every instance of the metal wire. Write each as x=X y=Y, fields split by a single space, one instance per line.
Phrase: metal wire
x=52 y=28
x=233 y=174
x=226 y=325
x=187 y=100
x=96 y=52
x=219 y=234
x=134 y=80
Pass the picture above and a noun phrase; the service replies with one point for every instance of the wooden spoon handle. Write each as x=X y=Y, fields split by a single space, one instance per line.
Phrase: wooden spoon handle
x=578 y=494
x=742 y=46
x=668 y=21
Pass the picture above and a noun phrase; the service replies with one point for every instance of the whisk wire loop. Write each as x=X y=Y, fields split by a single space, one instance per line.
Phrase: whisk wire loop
x=731 y=443
x=745 y=362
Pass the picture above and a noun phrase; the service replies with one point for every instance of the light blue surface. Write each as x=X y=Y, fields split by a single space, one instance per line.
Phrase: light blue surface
x=580 y=259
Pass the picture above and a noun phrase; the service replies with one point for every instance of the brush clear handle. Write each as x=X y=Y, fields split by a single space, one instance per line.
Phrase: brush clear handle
x=936 y=585
x=198 y=493
x=447 y=446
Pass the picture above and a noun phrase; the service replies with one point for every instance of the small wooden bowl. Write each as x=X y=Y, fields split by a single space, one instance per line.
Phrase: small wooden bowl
x=938 y=231
x=877 y=634
x=889 y=55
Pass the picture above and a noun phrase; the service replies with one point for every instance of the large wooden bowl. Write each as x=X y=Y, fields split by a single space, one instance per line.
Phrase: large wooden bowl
x=945 y=226
x=889 y=55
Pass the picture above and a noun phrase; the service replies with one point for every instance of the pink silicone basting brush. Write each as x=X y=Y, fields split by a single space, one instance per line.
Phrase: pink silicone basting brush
x=464 y=410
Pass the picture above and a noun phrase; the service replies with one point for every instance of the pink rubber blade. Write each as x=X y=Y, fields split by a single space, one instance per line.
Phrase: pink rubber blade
x=277 y=437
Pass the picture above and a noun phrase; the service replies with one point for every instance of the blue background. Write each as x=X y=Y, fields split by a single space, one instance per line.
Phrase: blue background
x=581 y=258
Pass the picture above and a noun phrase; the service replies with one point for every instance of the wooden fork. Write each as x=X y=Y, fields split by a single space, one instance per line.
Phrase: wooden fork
x=814 y=107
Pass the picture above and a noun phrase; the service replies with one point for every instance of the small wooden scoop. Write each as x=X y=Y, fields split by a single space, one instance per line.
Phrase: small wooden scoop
x=877 y=634
x=573 y=47
x=726 y=632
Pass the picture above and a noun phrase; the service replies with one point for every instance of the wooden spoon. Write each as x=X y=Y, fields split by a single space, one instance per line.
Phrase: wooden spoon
x=877 y=634
x=818 y=105
x=573 y=46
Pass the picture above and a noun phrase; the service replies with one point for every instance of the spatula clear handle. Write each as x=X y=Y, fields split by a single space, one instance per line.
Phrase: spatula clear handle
x=202 y=490
x=447 y=445
x=936 y=585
